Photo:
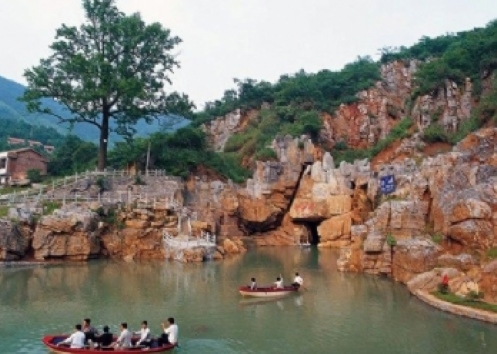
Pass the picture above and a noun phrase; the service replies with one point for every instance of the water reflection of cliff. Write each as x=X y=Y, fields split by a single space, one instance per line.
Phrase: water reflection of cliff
x=125 y=282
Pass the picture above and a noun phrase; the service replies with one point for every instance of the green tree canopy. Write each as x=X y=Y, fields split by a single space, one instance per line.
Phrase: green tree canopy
x=72 y=155
x=113 y=68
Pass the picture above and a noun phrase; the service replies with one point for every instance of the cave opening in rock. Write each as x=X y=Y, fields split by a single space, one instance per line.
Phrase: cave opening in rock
x=314 y=237
x=312 y=233
x=30 y=252
x=352 y=185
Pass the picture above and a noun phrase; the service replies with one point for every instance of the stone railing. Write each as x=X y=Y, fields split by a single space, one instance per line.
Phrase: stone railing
x=40 y=192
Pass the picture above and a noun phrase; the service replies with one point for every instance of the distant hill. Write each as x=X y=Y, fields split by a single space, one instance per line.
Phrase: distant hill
x=12 y=109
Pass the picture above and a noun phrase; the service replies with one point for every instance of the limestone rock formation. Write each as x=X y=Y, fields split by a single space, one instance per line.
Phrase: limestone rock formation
x=287 y=234
x=215 y=204
x=462 y=261
x=221 y=129
x=381 y=107
x=70 y=233
x=412 y=257
x=462 y=184
x=450 y=105
x=231 y=246
x=14 y=241
x=134 y=244
x=268 y=195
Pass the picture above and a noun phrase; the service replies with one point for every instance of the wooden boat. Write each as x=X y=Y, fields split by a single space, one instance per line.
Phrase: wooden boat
x=267 y=291
x=51 y=342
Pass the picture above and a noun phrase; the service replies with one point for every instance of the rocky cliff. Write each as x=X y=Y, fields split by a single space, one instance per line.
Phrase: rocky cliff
x=442 y=214
x=377 y=111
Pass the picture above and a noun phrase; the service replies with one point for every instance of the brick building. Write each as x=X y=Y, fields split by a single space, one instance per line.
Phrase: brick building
x=14 y=164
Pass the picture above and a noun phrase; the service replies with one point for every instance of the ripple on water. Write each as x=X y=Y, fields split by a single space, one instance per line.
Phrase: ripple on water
x=208 y=346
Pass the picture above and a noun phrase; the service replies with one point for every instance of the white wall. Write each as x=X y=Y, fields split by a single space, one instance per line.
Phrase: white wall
x=3 y=155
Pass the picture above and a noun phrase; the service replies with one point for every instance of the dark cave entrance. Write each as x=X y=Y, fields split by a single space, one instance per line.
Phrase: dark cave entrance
x=312 y=232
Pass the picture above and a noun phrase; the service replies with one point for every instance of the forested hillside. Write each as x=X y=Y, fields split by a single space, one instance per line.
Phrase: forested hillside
x=296 y=103
x=454 y=56
x=20 y=129
x=12 y=109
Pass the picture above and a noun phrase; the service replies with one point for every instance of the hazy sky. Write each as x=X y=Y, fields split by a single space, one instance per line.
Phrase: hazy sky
x=259 y=39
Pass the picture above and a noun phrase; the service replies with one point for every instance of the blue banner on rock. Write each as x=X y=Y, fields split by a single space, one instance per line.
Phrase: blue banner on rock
x=387 y=184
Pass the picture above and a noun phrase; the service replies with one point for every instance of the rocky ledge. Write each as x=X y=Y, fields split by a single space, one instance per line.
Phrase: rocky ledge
x=78 y=232
x=456 y=309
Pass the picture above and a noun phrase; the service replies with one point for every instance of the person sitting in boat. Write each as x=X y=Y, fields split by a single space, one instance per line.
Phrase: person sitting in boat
x=298 y=281
x=278 y=284
x=170 y=333
x=124 y=340
x=75 y=340
x=105 y=339
x=144 y=333
x=89 y=331
x=253 y=284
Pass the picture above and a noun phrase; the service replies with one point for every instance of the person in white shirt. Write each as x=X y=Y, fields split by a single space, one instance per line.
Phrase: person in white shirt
x=278 y=284
x=144 y=333
x=253 y=284
x=170 y=335
x=124 y=340
x=75 y=340
x=298 y=281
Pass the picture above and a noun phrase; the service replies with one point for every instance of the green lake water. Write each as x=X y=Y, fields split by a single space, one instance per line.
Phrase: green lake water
x=338 y=313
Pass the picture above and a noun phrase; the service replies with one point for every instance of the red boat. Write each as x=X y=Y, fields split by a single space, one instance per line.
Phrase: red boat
x=51 y=342
x=267 y=291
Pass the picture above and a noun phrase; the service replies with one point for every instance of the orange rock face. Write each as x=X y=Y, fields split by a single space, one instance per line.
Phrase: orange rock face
x=137 y=223
x=70 y=235
x=477 y=234
x=412 y=257
x=287 y=234
x=258 y=213
x=470 y=209
x=335 y=228
x=263 y=214
x=309 y=210
x=233 y=246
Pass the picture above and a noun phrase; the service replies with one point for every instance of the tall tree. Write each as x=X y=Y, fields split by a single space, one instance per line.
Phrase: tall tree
x=113 y=68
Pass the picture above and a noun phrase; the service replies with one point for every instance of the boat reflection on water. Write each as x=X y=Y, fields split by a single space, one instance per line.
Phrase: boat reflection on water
x=297 y=300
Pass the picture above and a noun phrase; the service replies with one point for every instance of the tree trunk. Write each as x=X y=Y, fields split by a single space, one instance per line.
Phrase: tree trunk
x=104 y=140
